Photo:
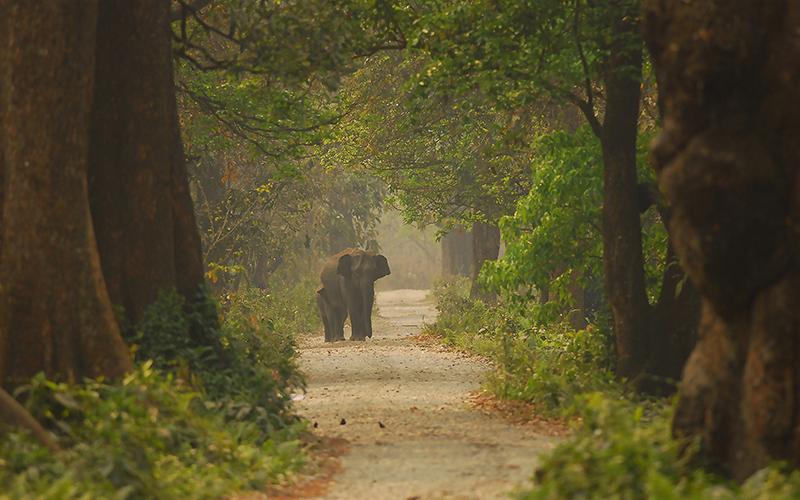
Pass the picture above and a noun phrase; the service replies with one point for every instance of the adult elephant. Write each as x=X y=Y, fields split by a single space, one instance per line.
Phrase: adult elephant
x=348 y=288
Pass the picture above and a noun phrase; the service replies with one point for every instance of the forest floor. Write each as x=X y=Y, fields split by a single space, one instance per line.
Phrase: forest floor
x=397 y=416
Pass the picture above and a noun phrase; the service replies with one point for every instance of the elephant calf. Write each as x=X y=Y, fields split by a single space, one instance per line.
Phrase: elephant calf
x=348 y=287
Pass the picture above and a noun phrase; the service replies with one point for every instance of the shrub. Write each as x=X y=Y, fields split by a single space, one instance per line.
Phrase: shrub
x=252 y=372
x=193 y=421
x=149 y=436
x=546 y=365
x=624 y=450
x=462 y=322
x=551 y=367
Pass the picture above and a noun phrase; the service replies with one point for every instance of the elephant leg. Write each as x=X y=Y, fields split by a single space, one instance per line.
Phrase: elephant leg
x=324 y=313
x=359 y=323
x=355 y=323
x=368 y=320
x=340 y=316
x=358 y=330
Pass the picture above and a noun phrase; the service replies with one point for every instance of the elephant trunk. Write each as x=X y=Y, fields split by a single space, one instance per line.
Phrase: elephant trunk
x=369 y=298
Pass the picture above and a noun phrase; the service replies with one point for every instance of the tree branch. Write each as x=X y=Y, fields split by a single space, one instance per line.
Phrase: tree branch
x=181 y=11
x=586 y=106
x=15 y=415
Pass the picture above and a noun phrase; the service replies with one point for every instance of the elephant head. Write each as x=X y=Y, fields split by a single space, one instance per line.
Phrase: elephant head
x=360 y=270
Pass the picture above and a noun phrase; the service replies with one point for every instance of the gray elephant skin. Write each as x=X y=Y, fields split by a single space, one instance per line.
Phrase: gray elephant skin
x=348 y=288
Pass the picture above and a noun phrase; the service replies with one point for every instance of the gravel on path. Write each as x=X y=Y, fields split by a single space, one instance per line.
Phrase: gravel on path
x=403 y=409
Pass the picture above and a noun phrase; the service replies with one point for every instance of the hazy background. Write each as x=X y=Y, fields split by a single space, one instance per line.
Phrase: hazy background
x=414 y=255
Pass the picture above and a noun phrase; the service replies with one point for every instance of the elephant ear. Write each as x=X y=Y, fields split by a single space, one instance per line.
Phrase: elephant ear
x=381 y=267
x=345 y=266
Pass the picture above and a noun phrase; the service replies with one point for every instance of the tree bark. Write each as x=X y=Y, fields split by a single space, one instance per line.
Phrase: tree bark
x=141 y=206
x=457 y=252
x=622 y=239
x=673 y=328
x=55 y=313
x=4 y=42
x=485 y=246
x=728 y=158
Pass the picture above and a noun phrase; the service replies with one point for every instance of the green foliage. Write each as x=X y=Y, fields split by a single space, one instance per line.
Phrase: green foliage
x=149 y=436
x=256 y=93
x=555 y=230
x=518 y=52
x=463 y=323
x=617 y=451
x=554 y=239
x=191 y=422
x=624 y=450
x=442 y=162
x=252 y=373
x=553 y=366
x=549 y=366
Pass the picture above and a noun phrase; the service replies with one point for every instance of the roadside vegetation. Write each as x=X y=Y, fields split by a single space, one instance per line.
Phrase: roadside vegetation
x=186 y=423
x=621 y=444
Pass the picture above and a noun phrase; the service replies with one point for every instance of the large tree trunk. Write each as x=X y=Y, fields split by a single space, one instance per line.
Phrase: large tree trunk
x=141 y=205
x=485 y=246
x=55 y=313
x=728 y=158
x=457 y=252
x=622 y=238
x=4 y=41
x=673 y=328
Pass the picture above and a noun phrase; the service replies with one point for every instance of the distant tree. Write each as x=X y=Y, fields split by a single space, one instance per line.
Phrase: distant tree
x=456 y=252
x=728 y=74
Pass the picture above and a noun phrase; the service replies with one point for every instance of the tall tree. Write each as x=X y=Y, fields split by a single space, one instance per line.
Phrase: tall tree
x=728 y=157
x=588 y=54
x=622 y=236
x=55 y=313
x=138 y=183
x=97 y=201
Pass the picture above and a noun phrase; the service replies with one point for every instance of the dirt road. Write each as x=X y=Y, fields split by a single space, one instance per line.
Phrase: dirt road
x=402 y=408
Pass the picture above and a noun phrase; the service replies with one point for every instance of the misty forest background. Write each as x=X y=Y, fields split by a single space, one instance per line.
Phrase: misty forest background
x=599 y=194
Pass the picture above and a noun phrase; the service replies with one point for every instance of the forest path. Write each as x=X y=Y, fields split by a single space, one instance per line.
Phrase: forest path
x=433 y=444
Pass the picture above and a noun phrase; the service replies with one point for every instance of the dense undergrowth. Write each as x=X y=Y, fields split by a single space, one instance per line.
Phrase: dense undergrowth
x=189 y=422
x=546 y=365
x=621 y=446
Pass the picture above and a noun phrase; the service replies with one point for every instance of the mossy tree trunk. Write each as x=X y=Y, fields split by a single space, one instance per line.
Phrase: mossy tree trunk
x=728 y=157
